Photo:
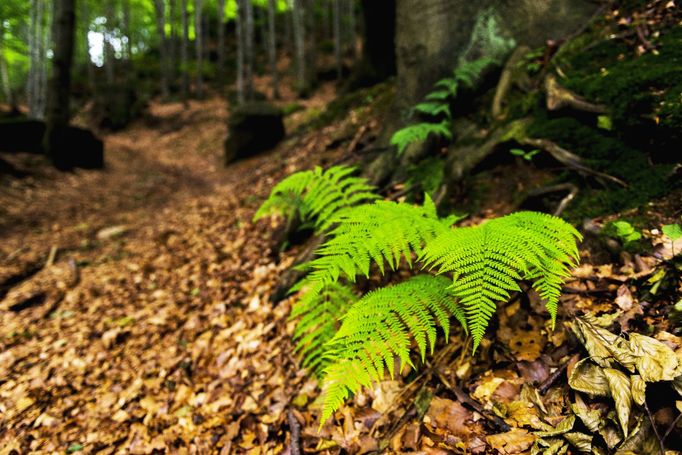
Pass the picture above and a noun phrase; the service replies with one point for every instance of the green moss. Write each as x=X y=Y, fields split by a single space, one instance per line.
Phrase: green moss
x=643 y=93
x=604 y=152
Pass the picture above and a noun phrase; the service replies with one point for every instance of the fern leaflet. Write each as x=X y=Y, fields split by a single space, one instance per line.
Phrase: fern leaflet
x=317 y=196
x=433 y=109
x=381 y=327
x=487 y=261
x=419 y=132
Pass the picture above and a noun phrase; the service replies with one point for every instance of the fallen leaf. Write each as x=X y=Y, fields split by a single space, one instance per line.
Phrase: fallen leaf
x=514 y=441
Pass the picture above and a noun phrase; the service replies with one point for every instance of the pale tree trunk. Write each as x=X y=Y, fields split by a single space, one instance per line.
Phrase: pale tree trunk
x=109 y=53
x=127 y=32
x=198 y=41
x=184 y=50
x=299 y=44
x=272 y=48
x=60 y=83
x=89 y=68
x=239 y=29
x=248 y=48
x=221 y=43
x=32 y=51
x=35 y=87
x=160 y=8
x=337 y=36
x=4 y=72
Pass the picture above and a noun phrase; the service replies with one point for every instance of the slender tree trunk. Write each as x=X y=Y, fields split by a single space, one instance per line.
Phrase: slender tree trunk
x=45 y=24
x=60 y=83
x=127 y=32
x=351 y=25
x=4 y=72
x=184 y=51
x=109 y=53
x=311 y=49
x=221 y=44
x=272 y=48
x=198 y=40
x=90 y=68
x=239 y=29
x=172 y=43
x=163 y=47
x=337 y=37
x=248 y=48
x=299 y=42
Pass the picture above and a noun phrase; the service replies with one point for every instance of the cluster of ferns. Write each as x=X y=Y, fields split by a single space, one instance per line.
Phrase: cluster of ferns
x=352 y=341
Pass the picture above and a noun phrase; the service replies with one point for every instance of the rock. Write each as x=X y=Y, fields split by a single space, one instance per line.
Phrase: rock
x=112 y=232
x=75 y=147
x=253 y=128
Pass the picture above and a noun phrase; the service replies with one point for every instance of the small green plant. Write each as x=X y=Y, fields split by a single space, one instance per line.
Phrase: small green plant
x=623 y=231
x=436 y=107
x=528 y=156
x=317 y=196
x=352 y=342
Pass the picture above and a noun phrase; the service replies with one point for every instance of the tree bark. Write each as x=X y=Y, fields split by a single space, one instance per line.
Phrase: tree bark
x=172 y=43
x=60 y=83
x=160 y=7
x=239 y=29
x=198 y=40
x=221 y=43
x=337 y=36
x=297 y=15
x=184 y=51
x=4 y=72
x=248 y=48
x=350 y=26
x=109 y=53
x=378 y=44
x=272 y=48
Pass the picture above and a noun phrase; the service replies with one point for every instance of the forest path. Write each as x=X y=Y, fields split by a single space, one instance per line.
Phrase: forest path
x=152 y=328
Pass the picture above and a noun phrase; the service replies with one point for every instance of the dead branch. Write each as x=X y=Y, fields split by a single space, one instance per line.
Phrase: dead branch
x=572 y=192
x=507 y=79
x=295 y=433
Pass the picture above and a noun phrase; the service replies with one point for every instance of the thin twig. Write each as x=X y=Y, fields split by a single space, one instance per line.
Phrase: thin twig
x=653 y=426
x=295 y=432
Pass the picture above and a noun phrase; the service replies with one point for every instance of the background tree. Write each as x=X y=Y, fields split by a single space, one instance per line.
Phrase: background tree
x=160 y=7
x=199 y=43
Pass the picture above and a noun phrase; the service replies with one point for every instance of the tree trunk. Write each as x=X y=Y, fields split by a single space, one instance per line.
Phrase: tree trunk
x=4 y=72
x=297 y=15
x=198 y=40
x=378 y=44
x=272 y=48
x=32 y=52
x=172 y=43
x=239 y=29
x=128 y=52
x=350 y=27
x=221 y=43
x=311 y=49
x=248 y=48
x=337 y=37
x=184 y=51
x=109 y=52
x=160 y=7
x=44 y=46
x=60 y=83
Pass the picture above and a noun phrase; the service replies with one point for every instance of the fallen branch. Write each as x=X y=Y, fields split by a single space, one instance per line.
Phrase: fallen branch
x=572 y=192
x=295 y=433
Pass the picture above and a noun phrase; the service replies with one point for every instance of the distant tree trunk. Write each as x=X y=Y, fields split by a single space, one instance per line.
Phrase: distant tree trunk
x=248 y=48
x=239 y=30
x=4 y=72
x=109 y=52
x=160 y=7
x=221 y=44
x=60 y=83
x=172 y=43
x=350 y=27
x=337 y=37
x=45 y=29
x=184 y=51
x=198 y=40
x=37 y=76
x=378 y=44
x=32 y=52
x=311 y=49
x=299 y=44
x=89 y=68
x=272 y=48
x=127 y=32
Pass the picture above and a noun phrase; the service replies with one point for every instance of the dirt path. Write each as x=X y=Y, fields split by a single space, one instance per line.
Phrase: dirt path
x=156 y=334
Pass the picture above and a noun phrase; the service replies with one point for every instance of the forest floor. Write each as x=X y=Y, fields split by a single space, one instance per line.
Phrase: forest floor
x=135 y=313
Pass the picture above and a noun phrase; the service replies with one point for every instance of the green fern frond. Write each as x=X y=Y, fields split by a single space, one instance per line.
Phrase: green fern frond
x=468 y=72
x=318 y=310
x=380 y=233
x=317 y=195
x=433 y=109
x=419 y=132
x=438 y=95
x=380 y=327
x=450 y=84
x=488 y=260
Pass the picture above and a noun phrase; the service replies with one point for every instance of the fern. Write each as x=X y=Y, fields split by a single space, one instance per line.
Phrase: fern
x=433 y=109
x=317 y=196
x=380 y=233
x=381 y=327
x=488 y=260
x=318 y=310
x=419 y=132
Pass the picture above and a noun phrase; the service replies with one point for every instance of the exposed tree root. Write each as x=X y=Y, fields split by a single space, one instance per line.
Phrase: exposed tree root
x=559 y=97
